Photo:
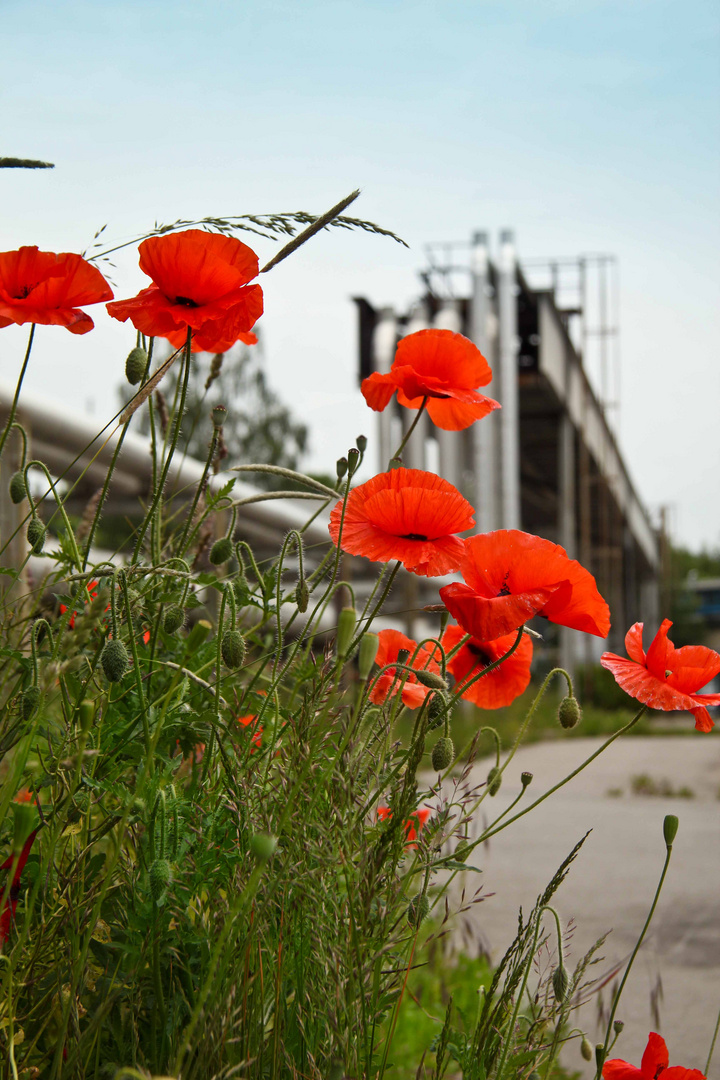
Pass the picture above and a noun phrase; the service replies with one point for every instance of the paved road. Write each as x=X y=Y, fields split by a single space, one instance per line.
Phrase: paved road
x=614 y=878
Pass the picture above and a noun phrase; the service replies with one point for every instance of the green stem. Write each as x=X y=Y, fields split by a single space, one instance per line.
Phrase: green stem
x=712 y=1045
x=635 y=951
x=410 y=430
x=136 y=671
x=61 y=507
x=18 y=388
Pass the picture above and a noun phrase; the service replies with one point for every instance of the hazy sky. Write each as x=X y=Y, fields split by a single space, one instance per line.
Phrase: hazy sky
x=583 y=126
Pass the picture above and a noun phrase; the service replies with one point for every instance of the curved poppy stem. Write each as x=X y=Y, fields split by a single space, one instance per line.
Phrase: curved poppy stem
x=18 y=388
x=712 y=1045
x=410 y=430
x=601 y=1055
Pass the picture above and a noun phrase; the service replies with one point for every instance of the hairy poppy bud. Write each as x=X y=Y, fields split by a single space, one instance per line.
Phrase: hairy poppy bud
x=560 y=983
x=341 y=467
x=232 y=648
x=160 y=878
x=135 y=365
x=173 y=618
x=302 y=596
x=361 y=443
x=418 y=909
x=369 y=644
x=670 y=828
x=17 y=488
x=30 y=701
x=221 y=551
x=586 y=1048
x=86 y=714
x=569 y=713
x=443 y=754
x=618 y=1026
x=526 y=778
x=353 y=459
x=436 y=709
x=36 y=535
x=431 y=679
x=263 y=846
x=219 y=416
x=494 y=780
x=345 y=631
x=115 y=660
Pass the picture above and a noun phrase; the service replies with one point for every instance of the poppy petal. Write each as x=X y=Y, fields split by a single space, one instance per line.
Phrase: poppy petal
x=703 y=720
x=620 y=1070
x=490 y=618
x=378 y=390
x=455 y=415
x=444 y=355
x=641 y=684
x=499 y=687
x=656 y=1055
x=633 y=643
x=197 y=265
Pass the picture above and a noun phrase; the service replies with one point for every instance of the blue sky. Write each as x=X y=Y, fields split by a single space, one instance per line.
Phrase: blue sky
x=583 y=126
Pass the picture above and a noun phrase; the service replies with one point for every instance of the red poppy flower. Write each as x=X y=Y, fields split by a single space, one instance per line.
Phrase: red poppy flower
x=405 y=514
x=442 y=366
x=199 y=281
x=511 y=576
x=256 y=735
x=42 y=287
x=654 y=1064
x=418 y=817
x=7 y=912
x=390 y=642
x=504 y=683
x=666 y=678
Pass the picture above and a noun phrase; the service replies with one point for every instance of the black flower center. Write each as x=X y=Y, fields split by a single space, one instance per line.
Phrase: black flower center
x=185 y=301
x=482 y=657
x=413 y=536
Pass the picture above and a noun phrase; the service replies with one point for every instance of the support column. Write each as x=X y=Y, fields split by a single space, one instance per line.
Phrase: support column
x=414 y=455
x=383 y=352
x=484 y=433
x=566 y=524
x=449 y=443
x=509 y=458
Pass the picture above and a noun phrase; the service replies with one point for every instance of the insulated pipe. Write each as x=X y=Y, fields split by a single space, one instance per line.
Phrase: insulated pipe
x=509 y=457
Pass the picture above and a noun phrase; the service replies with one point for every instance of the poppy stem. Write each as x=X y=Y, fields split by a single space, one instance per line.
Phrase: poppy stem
x=13 y=407
x=410 y=430
x=601 y=1055
x=712 y=1045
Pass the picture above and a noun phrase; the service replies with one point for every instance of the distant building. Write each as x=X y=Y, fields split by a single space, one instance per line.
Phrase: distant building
x=547 y=462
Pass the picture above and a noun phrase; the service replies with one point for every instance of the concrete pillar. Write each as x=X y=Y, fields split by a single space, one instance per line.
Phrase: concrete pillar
x=414 y=455
x=383 y=347
x=509 y=456
x=484 y=433
x=449 y=442
x=567 y=525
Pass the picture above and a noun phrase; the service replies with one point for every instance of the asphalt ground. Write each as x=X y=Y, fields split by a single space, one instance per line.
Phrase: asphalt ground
x=613 y=880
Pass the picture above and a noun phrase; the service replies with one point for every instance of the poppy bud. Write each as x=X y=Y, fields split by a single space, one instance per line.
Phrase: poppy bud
x=418 y=909
x=232 y=648
x=494 y=780
x=525 y=779
x=436 y=709
x=86 y=714
x=221 y=551
x=353 y=459
x=219 y=416
x=160 y=878
x=17 y=488
x=35 y=535
x=173 y=618
x=569 y=713
x=345 y=631
x=368 y=651
x=462 y=849
x=30 y=701
x=443 y=754
x=115 y=660
x=302 y=596
x=396 y=463
x=670 y=828
x=135 y=365
x=560 y=983
x=361 y=443
x=618 y=1026
x=341 y=467
x=431 y=679
x=586 y=1048
x=263 y=846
